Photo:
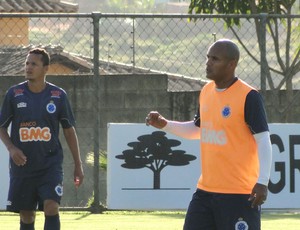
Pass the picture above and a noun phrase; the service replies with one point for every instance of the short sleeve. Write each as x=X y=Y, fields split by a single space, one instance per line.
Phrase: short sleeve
x=197 y=118
x=66 y=117
x=255 y=114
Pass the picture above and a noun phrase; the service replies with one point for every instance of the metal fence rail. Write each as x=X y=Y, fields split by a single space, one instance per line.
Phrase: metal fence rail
x=134 y=43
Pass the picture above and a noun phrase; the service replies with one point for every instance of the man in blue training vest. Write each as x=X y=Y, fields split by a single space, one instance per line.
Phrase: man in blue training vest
x=34 y=110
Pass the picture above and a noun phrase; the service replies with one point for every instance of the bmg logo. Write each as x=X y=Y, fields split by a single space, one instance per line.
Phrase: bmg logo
x=35 y=134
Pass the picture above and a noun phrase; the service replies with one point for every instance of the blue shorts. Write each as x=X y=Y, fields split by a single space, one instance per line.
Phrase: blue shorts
x=214 y=211
x=29 y=193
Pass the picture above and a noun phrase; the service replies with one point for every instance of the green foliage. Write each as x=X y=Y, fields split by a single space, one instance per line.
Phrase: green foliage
x=92 y=206
x=102 y=159
x=240 y=7
x=269 y=7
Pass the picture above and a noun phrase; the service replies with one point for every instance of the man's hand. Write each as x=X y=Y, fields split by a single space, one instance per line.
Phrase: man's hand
x=259 y=195
x=156 y=120
x=78 y=175
x=17 y=156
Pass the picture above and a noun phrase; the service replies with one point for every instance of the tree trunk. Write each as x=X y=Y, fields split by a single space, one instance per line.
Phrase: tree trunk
x=156 y=180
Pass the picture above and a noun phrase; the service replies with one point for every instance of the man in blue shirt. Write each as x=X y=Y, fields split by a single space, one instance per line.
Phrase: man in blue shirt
x=34 y=109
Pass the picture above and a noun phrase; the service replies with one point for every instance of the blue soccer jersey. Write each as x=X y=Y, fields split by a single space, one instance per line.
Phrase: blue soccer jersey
x=35 y=120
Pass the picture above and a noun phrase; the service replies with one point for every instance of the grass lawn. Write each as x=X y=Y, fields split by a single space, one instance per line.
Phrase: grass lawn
x=131 y=220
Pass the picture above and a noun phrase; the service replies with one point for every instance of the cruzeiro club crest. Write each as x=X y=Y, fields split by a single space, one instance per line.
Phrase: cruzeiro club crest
x=59 y=190
x=226 y=111
x=51 y=107
x=241 y=225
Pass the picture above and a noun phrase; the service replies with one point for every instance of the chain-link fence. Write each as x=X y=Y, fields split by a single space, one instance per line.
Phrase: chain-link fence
x=95 y=44
x=154 y=43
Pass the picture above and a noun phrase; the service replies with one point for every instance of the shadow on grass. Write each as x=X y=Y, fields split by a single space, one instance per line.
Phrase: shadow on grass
x=169 y=214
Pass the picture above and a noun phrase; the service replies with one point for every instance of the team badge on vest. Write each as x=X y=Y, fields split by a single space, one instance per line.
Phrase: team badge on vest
x=51 y=107
x=241 y=225
x=226 y=111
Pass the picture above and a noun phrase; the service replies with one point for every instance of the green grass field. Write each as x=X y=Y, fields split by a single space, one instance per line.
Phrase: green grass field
x=132 y=220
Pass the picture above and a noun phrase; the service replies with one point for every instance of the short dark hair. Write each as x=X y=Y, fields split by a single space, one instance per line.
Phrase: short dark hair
x=232 y=50
x=43 y=52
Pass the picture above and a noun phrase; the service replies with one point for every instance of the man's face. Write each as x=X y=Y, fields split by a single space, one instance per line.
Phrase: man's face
x=34 y=68
x=217 y=64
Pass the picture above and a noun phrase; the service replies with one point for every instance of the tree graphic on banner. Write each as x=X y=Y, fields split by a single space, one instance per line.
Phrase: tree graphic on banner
x=154 y=151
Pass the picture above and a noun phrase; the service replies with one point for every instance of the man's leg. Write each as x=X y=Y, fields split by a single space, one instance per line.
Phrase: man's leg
x=199 y=215
x=27 y=219
x=50 y=193
x=22 y=198
x=234 y=211
x=51 y=211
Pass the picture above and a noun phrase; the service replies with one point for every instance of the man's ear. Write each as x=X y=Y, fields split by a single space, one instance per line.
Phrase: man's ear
x=233 y=64
x=46 y=68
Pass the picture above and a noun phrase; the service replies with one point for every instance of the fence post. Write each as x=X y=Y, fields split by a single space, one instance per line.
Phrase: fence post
x=263 y=53
x=96 y=207
x=133 y=45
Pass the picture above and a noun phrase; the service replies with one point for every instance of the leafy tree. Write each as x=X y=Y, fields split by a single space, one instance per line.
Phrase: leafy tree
x=154 y=152
x=287 y=55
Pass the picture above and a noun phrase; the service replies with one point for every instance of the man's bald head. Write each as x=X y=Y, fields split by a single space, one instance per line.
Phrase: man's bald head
x=231 y=50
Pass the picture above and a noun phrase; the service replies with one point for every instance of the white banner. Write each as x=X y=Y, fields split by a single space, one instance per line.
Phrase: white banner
x=141 y=175
x=4 y=176
x=144 y=172
x=284 y=186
